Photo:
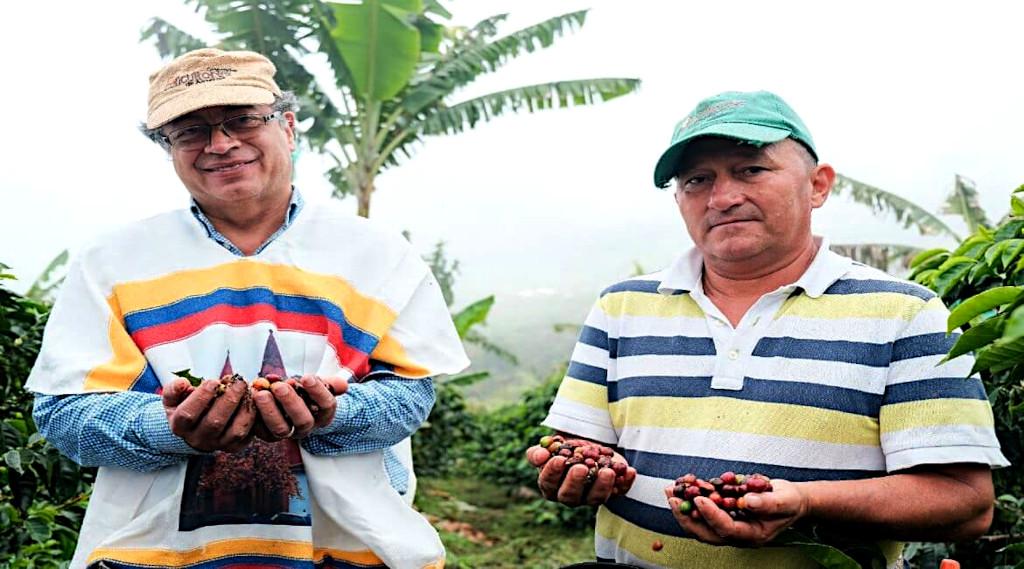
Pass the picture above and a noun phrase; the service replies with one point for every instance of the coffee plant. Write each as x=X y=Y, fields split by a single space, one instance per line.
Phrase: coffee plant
x=42 y=494
x=982 y=281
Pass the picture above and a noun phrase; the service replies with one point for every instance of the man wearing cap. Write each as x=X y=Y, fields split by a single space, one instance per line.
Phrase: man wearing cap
x=342 y=321
x=761 y=351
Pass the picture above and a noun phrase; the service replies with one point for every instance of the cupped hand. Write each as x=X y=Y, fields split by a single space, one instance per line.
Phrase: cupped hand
x=282 y=408
x=569 y=485
x=206 y=421
x=769 y=513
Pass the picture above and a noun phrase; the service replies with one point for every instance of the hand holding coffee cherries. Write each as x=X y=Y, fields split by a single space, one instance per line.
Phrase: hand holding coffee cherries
x=578 y=471
x=735 y=509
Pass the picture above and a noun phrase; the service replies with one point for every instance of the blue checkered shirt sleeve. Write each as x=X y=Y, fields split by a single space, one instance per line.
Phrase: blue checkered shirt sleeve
x=128 y=429
x=376 y=415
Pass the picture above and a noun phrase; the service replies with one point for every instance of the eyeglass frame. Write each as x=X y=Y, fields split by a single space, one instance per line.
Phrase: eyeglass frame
x=165 y=139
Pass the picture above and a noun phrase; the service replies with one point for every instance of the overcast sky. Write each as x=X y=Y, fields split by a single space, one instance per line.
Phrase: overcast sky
x=901 y=95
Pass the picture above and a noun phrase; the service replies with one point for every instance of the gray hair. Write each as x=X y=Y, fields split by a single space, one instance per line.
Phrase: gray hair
x=283 y=103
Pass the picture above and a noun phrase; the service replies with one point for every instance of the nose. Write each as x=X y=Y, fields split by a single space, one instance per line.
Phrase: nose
x=220 y=141
x=725 y=193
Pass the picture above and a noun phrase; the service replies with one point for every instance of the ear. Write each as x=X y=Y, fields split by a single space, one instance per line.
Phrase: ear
x=821 y=184
x=289 y=118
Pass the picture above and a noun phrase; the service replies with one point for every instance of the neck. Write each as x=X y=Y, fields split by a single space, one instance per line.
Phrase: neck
x=734 y=288
x=248 y=224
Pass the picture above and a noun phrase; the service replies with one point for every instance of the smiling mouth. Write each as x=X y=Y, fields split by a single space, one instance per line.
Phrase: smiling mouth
x=228 y=168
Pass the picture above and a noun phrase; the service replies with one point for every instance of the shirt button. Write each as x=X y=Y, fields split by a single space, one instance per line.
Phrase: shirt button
x=733 y=354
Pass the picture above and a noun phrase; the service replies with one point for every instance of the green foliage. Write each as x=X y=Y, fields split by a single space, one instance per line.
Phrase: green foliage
x=438 y=445
x=961 y=201
x=482 y=526
x=472 y=315
x=981 y=280
x=42 y=494
x=498 y=452
x=381 y=44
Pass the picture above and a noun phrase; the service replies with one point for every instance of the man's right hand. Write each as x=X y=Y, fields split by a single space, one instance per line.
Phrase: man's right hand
x=208 y=422
x=568 y=488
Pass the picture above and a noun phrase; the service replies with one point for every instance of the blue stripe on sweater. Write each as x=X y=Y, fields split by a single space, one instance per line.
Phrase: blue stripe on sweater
x=761 y=390
x=857 y=286
x=664 y=346
x=937 y=344
x=590 y=374
x=861 y=353
x=937 y=388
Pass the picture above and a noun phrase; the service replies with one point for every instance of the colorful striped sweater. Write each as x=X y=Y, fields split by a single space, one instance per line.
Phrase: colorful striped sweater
x=834 y=377
x=331 y=295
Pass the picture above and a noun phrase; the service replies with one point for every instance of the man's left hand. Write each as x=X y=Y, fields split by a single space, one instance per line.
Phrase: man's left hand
x=769 y=513
x=282 y=408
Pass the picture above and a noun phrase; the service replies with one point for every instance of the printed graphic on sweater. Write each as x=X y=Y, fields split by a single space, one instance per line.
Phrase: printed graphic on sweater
x=265 y=483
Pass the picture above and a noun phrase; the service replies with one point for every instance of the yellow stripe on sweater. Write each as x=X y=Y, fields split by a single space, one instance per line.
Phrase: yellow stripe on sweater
x=933 y=412
x=360 y=310
x=880 y=305
x=584 y=392
x=648 y=304
x=230 y=547
x=727 y=414
x=126 y=362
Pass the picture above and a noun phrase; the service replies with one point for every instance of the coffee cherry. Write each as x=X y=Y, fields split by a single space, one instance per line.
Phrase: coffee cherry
x=657 y=545
x=726 y=491
x=591 y=455
x=716 y=498
x=757 y=485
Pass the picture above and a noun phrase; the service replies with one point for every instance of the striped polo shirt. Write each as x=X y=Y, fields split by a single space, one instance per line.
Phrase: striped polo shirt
x=833 y=377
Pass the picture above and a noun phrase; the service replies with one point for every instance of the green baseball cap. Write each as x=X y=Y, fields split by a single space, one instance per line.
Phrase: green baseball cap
x=758 y=118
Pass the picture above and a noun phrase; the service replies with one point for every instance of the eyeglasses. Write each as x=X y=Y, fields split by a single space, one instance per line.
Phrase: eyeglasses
x=197 y=136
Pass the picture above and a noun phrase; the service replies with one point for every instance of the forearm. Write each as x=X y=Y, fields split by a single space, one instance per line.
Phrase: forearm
x=947 y=503
x=124 y=429
x=374 y=415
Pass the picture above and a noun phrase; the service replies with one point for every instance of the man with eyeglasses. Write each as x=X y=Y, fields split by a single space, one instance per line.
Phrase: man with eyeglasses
x=334 y=325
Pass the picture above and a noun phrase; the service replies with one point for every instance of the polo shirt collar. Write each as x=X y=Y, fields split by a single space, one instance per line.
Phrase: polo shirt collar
x=684 y=275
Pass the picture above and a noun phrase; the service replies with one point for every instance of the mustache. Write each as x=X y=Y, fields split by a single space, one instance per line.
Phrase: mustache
x=744 y=212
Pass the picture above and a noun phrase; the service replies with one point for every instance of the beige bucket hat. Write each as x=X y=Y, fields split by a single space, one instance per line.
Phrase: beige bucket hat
x=208 y=78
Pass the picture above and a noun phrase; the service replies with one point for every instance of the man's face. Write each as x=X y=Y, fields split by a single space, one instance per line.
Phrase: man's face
x=236 y=170
x=749 y=206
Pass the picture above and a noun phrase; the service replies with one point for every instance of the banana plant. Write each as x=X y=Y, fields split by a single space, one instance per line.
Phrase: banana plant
x=396 y=73
x=962 y=201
